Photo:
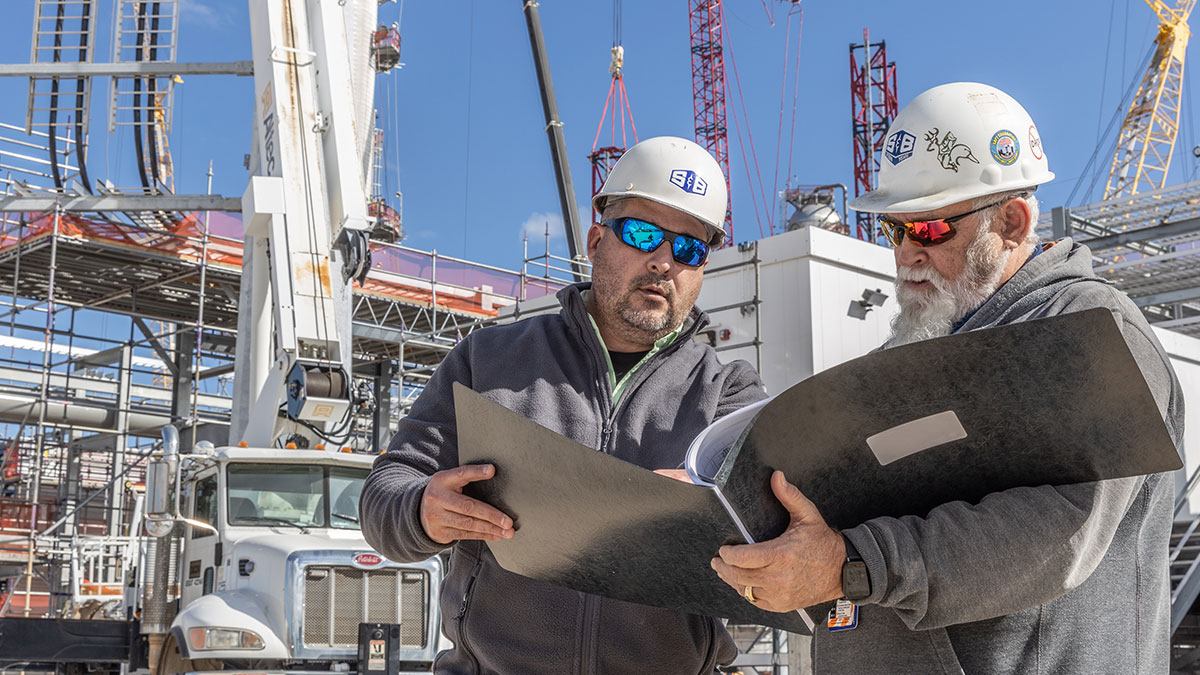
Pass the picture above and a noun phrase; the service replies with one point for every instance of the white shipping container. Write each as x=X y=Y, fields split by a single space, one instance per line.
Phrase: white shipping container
x=806 y=280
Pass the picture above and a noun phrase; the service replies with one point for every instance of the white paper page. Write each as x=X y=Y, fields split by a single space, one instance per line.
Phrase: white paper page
x=749 y=539
x=708 y=451
x=709 y=448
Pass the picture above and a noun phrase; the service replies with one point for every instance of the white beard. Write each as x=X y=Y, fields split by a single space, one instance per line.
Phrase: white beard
x=929 y=314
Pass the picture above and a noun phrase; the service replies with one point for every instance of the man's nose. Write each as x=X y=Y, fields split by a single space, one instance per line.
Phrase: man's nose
x=660 y=260
x=909 y=254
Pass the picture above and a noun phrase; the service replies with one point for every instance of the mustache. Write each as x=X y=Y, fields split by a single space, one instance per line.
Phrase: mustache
x=658 y=283
x=923 y=273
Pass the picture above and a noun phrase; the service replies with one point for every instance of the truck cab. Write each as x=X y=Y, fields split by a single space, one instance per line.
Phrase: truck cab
x=274 y=572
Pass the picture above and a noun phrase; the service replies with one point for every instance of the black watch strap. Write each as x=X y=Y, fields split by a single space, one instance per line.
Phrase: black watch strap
x=856 y=582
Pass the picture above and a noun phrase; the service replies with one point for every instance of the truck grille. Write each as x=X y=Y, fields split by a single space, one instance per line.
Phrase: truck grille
x=337 y=598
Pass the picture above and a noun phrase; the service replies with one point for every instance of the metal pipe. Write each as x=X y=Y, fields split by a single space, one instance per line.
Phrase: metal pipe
x=36 y=483
x=757 y=309
x=80 y=132
x=200 y=310
x=56 y=56
x=832 y=186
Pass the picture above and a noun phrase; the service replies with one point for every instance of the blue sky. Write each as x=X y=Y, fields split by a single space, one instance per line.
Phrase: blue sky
x=466 y=141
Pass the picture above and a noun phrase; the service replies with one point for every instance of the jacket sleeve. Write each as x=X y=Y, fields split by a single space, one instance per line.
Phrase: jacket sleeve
x=742 y=387
x=426 y=442
x=1016 y=548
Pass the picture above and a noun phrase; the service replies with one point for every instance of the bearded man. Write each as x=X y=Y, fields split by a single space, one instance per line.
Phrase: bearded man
x=617 y=370
x=1050 y=579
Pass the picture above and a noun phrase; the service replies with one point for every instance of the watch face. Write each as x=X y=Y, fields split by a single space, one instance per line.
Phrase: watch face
x=856 y=583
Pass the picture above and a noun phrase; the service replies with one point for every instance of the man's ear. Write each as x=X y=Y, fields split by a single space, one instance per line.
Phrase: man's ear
x=594 y=235
x=1017 y=222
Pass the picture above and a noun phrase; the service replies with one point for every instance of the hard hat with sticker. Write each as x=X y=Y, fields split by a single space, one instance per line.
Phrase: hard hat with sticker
x=674 y=172
x=953 y=143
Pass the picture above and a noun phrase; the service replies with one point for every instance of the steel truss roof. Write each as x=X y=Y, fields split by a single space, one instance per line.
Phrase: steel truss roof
x=1148 y=245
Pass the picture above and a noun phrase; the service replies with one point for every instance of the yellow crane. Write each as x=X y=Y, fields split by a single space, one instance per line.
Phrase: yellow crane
x=1147 y=137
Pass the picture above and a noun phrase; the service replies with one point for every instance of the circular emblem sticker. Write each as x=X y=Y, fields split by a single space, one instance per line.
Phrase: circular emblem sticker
x=1004 y=147
x=1035 y=142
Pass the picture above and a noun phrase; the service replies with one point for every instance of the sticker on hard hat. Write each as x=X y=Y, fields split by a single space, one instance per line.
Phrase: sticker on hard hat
x=899 y=147
x=1005 y=147
x=1035 y=142
x=689 y=181
x=950 y=152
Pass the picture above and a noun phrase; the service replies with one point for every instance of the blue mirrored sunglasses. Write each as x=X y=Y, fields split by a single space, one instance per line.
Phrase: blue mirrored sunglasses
x=645 y=236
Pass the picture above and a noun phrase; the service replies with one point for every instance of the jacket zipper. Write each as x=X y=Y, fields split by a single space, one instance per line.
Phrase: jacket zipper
x=588 y=643
x=609 y=410
x=461 y=617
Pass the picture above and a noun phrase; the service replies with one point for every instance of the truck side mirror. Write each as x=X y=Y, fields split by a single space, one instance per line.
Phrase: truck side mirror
x=160 y=478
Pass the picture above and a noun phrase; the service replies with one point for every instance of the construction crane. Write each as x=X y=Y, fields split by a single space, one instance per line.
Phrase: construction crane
x=874 y=104
x=708 y=88
x=1147 y=136
x=603 y=158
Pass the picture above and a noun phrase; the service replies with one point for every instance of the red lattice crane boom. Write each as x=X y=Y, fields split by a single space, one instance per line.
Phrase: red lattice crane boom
x=708 y=89
x=874 y=104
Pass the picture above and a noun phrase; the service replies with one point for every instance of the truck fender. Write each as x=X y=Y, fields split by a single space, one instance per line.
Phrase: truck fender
x=239 y=609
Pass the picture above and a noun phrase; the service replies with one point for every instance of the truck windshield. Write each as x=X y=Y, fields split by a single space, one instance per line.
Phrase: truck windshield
x=294 y=494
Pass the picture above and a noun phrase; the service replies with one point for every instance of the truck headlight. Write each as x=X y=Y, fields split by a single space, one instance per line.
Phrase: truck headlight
x=224 y=638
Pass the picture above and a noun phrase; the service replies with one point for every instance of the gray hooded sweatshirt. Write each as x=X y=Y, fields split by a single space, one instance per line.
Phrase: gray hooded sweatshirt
x=554 y=370
x=1050 y=579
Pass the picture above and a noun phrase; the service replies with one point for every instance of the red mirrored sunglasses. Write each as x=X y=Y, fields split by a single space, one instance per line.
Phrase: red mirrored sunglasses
x=930 y=232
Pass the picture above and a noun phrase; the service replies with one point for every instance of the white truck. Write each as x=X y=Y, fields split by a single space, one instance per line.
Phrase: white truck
x=273 y=572
x=268 y=570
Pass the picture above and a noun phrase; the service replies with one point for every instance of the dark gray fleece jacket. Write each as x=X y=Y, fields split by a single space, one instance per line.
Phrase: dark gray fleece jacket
x=1051 y=579
x=553 y=370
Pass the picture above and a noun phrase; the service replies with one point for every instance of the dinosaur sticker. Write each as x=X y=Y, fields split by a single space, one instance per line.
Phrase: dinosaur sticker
x=950 y=152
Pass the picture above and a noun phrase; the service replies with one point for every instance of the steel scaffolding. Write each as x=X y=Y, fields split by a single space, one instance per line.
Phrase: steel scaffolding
x=81 y=404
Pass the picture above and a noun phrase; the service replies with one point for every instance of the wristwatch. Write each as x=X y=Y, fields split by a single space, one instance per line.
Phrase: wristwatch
x=856 y=583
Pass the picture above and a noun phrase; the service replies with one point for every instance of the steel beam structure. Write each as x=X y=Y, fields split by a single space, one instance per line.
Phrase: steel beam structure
x=1164 y=231
x=161 y=69
x=111 y=203
x=1148 y=245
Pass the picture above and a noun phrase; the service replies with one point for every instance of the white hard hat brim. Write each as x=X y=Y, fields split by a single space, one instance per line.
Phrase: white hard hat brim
x=887 y=201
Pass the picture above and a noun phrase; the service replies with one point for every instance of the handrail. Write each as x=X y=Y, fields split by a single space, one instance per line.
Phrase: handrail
x=1193 y=481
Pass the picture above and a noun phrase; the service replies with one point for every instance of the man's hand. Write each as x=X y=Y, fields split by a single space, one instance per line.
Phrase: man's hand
x=799 y=568
x=677 y=474
x=448 y=515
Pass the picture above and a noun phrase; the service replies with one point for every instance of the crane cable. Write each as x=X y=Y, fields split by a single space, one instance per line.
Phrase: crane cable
x=796 y=9
x=1091 y=168
x=616 y=23
x=727 y=37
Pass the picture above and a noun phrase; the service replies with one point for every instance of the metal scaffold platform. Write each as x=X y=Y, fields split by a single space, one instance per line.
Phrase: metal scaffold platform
x=184 y=279
x=1147 y=245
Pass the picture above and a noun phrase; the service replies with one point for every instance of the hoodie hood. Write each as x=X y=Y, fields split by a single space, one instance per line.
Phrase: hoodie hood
x=1044 y=277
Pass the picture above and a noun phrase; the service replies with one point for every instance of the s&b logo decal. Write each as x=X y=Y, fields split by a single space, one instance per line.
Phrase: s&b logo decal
x=688 y=181
x=899 y=147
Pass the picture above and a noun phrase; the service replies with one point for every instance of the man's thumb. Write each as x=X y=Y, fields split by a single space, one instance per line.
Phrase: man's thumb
x=792 y=499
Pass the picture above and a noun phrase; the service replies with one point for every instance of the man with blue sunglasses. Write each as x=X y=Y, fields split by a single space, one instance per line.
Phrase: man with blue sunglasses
x=617 y=369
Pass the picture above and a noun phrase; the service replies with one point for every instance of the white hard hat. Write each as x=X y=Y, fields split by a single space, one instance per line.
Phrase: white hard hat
x=956 y=142
x=674 y=172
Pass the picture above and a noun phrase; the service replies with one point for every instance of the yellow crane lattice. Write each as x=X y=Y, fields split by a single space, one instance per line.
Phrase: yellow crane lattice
x=1147 y=137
